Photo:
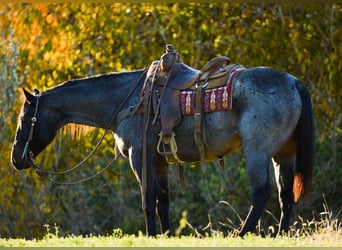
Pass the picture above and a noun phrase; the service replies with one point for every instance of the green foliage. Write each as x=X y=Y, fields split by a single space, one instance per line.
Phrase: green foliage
x=42 y=45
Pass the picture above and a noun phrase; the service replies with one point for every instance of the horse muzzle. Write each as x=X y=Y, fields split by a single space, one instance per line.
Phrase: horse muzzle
x=19 y=162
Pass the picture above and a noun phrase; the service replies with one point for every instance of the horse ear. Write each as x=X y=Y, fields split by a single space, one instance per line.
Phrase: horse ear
x=29 y=97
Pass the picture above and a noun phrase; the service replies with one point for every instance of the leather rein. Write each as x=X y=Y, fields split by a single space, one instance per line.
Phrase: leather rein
x=116 y=117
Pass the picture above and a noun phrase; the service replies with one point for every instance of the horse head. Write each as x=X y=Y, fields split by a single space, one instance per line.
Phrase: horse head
x=35 y=130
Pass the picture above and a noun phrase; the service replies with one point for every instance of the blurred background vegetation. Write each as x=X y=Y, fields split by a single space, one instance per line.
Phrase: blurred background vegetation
x=42 y=45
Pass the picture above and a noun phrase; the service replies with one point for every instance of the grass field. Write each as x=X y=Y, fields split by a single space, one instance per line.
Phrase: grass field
x=322 y=238
x=317 y=240
x=323 y=233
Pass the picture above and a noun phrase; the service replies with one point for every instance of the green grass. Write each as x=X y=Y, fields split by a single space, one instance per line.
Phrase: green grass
x=324 y=237
x=333 y=239
x=325 y=232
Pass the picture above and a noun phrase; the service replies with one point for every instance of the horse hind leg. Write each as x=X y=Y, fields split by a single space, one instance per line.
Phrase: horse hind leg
x=258 y=174
x=283 y=170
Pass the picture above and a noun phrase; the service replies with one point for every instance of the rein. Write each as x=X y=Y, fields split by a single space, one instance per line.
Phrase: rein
x=118 y=115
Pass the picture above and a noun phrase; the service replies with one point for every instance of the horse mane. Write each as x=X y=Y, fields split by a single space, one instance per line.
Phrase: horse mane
x=76 y=131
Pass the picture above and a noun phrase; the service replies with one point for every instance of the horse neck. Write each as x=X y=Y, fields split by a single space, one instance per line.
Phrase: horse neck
x=90 y=101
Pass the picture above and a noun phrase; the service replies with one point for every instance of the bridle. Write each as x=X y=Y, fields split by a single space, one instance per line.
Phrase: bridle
x=116 y=118
x=27 y=152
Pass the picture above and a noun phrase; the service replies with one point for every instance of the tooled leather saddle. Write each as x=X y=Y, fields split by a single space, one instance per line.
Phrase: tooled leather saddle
x=167 y=77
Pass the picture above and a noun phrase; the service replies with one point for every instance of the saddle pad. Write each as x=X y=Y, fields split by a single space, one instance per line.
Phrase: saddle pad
x=217 y=99
x=213 y=100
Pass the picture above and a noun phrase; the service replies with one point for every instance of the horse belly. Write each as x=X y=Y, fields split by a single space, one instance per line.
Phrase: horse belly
x=221 y=137
x=221 y=133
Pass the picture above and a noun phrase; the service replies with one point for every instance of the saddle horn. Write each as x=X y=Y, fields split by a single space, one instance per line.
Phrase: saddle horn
x=170 y=57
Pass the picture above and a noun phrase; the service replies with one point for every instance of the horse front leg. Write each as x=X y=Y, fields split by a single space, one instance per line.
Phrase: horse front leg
x=258 y=175
x=163 y=201
x=148 y=192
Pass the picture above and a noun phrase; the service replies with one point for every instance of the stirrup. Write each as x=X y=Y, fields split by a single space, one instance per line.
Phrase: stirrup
x=170 y=141
x=170 y=155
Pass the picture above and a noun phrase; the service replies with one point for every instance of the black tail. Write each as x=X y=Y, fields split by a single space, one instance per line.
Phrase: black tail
x=305 y=146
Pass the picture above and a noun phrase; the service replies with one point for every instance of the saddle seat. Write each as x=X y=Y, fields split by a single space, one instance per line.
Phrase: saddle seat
x=185 y=77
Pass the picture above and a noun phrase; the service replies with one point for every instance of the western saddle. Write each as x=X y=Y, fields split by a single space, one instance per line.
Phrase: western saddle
x=164 y=81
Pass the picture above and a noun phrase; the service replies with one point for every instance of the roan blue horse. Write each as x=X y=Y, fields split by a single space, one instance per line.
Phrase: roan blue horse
x=271 y=120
